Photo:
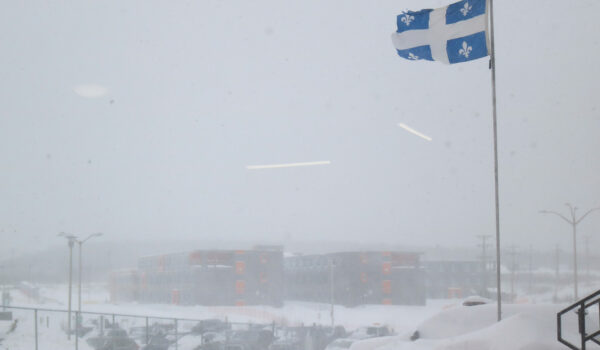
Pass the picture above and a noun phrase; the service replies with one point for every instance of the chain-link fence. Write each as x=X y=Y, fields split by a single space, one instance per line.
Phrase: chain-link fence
x=40 y=328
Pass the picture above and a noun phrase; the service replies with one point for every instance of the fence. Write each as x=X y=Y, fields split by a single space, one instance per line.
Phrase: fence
x=42 y=328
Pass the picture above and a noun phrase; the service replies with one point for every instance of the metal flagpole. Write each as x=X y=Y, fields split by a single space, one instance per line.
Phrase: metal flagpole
x=493 y=68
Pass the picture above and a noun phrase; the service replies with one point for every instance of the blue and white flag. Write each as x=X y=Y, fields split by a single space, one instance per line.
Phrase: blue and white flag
x=452 y=34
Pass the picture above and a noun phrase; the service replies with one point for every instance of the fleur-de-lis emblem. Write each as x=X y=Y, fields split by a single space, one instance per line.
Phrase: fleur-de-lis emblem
x=465 y=10
x=412 y=56
x=466 y=50
x=407 y=18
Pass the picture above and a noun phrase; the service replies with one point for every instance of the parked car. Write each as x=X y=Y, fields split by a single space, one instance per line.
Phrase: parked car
x=249 y=340
x=286 y=345
x=370 y=332
x=314 y=337
x=139 y=333
x=115 y=339
x=359 y=334
x=210 y=325
x=340 y=344
x=158 y=342
x=476 y=300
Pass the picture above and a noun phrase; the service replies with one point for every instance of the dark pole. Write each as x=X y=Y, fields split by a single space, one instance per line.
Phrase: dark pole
x=79 y=288
x=71 y=239
x=77 y=331
x=530 y=284
x=573 y=223
x=4 y=289
x=497 y=198
x=35 y=319
x=80 y=242
x=331 y=295
x=513 y=267
x=587 y=260
x=575 y=282
x=70 y=282
x=557 y=276
x=176 y=336
x=484 y=261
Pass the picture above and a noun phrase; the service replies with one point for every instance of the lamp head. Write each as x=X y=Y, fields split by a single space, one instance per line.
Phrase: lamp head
x=90 y=237
x=68 y=236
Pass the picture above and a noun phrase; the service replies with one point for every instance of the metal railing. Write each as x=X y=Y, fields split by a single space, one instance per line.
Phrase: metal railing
x=581 y=310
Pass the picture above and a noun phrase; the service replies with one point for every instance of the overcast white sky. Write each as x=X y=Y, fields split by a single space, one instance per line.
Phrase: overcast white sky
x=198 y=90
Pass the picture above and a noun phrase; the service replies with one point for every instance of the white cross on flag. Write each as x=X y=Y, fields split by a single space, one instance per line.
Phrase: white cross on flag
x=452 y=34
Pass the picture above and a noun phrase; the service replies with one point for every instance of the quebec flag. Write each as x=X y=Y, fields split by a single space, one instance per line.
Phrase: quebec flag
x=452 y=34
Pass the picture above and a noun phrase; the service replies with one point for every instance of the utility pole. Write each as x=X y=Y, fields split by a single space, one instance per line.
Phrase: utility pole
x=70 y=241
x=484 y=262
x=513 y=266
x=70 y=285
x=529 y=284
x=574 y=221
x=331 y=297
x=80 y=242
x=557 y=267
x=79 y=290
x=4 y=288
x=587 y=260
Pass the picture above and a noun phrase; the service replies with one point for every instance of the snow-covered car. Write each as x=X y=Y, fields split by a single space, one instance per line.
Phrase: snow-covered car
x=476 y=300
x=250 y=340
x=158 y=342
x=340 y=344
x=210 y=325
x=115 y=339
x=358 y=334
x=370 y=332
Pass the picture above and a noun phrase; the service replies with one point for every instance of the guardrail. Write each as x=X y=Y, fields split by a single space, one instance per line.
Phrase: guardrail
x=580 y=308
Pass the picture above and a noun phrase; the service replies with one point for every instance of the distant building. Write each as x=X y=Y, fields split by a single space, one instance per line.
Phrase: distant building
x=455 y=279
x=211 y=277
x=355 y=278
x=262 y=276
x=124 y=285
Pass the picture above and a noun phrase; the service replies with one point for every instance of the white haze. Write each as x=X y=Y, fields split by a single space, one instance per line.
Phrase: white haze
x=195 y=91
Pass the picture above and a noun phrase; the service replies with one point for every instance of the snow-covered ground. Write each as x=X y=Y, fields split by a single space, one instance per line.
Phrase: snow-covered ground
x=441 y=324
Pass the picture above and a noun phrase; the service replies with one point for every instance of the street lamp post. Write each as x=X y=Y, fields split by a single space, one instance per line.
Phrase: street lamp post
x=331 y=291
x=574 y=221
x=71 y=241
x=80 y=242
x=4 y=289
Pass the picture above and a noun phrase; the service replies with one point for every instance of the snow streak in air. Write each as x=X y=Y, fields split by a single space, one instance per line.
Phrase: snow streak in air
x=286 y=165
x=411 y=130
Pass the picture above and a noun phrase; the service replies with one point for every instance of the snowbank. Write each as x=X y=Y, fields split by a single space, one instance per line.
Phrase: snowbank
x=525 y=327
